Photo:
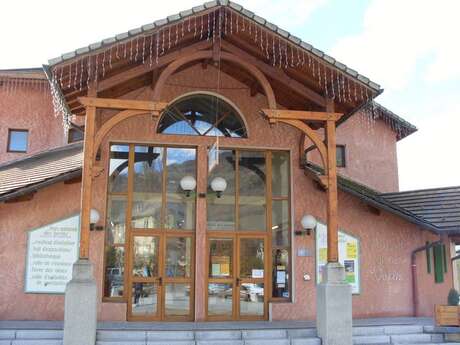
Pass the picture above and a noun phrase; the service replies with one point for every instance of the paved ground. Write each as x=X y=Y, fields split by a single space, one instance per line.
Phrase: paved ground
x=214 y=325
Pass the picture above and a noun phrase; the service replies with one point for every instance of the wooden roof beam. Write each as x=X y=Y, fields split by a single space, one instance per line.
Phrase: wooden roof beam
x=146 y=68
x=277 y=74
x=274 y=115
x=112 y=103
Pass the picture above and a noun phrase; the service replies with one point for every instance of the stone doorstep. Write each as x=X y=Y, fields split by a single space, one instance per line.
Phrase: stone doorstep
x=39 y=334
x=7 y=334
x=411 y=338
x=371 y=339
x=36 y=342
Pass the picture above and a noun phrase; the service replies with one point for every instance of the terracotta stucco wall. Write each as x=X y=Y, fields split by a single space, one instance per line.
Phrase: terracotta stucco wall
x=370 y=153
x=386 y=240
x=28 y=106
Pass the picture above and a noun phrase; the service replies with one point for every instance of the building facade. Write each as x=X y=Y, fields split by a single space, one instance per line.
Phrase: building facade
x=201 y=204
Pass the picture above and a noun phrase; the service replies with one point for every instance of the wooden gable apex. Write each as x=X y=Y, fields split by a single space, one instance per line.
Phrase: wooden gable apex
x=301 y=76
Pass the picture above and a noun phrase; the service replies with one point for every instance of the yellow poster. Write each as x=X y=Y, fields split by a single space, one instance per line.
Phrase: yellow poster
x=351 y=250
x=322 y=254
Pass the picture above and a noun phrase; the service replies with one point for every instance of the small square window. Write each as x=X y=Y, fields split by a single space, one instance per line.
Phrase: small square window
x=340 y=153
x=17 y=140
x=74 y=135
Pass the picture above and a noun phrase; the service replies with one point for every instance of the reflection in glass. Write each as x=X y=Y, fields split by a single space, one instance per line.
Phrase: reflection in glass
x=145 y=256
x=178 y=256
x=220 y=297
x=251 y=258
x=114 y=271
x=280 y=173
x=252 y=299
x=148 y=183
x=116 y=219
x=220 y=257
x=202 y=114
x=118 y=169
x=177 y=299
x=280 y=276
x=180 y=209
x=252 y=197
x=144 y=301
x=280 y=222
x=221 y=211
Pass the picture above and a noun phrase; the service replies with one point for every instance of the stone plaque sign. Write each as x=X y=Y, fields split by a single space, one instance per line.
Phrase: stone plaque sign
x=51 y=252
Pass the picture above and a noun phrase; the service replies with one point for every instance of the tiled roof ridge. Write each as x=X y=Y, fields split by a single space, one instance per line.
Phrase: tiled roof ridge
x=204 y=7
x=41 y=154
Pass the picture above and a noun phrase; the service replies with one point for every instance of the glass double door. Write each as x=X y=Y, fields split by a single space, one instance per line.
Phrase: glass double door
x=236 y=277
x=161 y=278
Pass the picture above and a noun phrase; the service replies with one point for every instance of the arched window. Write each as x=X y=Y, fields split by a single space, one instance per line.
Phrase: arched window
x=204 y=115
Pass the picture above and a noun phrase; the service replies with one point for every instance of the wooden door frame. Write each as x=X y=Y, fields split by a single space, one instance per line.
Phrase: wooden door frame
x=235 y=236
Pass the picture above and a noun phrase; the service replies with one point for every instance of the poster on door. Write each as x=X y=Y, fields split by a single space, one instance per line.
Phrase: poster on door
x=348 y=256
x=51 y=252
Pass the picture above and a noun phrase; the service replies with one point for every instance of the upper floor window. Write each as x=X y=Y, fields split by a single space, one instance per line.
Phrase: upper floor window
x=340 y=153
x=203 y=115
x=74 y=135
x=17 y=140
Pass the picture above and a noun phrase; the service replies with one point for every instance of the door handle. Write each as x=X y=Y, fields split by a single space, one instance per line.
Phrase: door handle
x=238 y=281
x=160 y=281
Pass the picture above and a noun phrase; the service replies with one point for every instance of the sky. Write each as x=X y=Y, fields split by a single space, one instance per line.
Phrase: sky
x=409 y=47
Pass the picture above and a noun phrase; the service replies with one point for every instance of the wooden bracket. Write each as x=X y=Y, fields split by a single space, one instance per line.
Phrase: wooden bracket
x=97 y=171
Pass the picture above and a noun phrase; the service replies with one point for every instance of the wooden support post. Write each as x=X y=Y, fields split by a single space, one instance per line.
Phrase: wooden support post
x=332 y=222
x=87 y=177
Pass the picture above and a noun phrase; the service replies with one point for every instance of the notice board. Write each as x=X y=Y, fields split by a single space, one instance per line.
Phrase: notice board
x=348 y=256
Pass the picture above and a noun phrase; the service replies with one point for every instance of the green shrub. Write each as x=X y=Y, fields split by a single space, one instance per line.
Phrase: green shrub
x=453 y=297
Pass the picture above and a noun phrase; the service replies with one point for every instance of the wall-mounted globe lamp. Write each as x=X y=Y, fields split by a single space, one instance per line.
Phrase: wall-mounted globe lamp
x=188 y=184
x=94 y=217
x=218 y=185
x=308 y=223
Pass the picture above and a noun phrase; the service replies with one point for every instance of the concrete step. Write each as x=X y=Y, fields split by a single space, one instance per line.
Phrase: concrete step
x=411 y=338
x=371 y=339
x=265 y=334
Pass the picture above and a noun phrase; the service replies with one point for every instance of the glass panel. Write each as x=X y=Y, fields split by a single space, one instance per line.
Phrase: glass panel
x=178 y=256
x=177 y=299
x=18 y=140
x=116 y=219
x=280 y=273
x=280 y=223
x=145 y=263
x=147 y=196
x=202 y=114
x=220 y=257
x=221 y=211
x=280 y=173
x=251 y=258
x=252 y=191
x=252 y=299
x=114 y=271
x=118 y=168
x=144 y=299
x=220 y=297
x=180 y=210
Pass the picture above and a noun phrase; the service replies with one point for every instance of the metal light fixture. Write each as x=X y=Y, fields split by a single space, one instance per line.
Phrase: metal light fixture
x=94 y=217
x=308 y=223
x=218 y=185
x=188 y=184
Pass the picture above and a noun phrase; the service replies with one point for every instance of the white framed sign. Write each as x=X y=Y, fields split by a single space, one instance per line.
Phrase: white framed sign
x=51 y=252
x=348 y=256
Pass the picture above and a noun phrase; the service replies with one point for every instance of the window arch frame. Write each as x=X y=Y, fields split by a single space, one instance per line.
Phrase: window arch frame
x=208 y=93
